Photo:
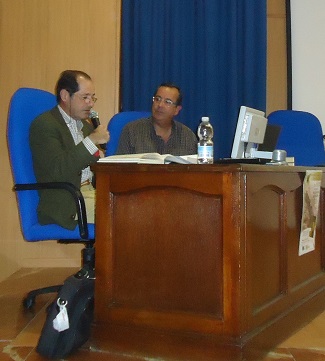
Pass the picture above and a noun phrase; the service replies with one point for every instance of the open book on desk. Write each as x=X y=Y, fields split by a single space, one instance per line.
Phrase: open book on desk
x=150 y=158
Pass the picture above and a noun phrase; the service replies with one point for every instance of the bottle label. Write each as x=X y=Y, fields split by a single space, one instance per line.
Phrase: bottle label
x=205 y=152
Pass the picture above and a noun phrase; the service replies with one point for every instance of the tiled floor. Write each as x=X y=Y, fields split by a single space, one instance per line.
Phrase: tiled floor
x=20 y=329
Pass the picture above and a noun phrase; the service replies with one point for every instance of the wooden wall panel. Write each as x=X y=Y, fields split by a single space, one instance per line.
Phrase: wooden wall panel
x=38 y=40
x=276 y=56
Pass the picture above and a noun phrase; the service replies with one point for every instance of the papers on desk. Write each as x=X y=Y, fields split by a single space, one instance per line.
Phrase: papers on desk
x=311 y=193
x=150 y=158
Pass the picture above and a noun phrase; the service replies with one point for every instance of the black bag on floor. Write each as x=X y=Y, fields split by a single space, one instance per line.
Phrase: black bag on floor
x=76 y=299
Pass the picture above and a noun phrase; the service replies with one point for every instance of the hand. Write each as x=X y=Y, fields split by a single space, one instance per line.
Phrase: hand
x=100 y=135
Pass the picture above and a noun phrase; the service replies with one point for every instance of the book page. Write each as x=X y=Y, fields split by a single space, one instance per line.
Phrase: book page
x=181 y=159
x=133 y=158
x=150 y=158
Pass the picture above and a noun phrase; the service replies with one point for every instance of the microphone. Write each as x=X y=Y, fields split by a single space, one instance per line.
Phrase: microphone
x=94 y=118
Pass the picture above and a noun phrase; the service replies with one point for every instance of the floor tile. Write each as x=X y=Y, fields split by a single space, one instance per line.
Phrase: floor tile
x=279 y=355
x=14 y=353
x=20 y=329
x=30 y=334
x=308 y=355
x=310 y=336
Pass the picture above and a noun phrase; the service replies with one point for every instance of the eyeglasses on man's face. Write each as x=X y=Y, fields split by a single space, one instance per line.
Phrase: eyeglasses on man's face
x=87 y=98
x=168 y=102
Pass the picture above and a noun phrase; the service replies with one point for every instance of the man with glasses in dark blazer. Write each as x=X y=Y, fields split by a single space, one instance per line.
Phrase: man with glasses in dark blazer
x=64 y=144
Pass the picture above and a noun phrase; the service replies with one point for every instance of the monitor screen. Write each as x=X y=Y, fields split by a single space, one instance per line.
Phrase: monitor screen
x=250 y=131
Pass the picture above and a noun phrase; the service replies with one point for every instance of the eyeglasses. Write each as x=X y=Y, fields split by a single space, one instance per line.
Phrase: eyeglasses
x=167 y=102
x=87 y=98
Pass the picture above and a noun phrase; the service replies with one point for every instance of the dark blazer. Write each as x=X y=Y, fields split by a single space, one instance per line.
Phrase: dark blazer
x=56 y=158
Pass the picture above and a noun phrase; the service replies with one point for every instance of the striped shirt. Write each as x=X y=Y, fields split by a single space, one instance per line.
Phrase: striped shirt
x=75 y=127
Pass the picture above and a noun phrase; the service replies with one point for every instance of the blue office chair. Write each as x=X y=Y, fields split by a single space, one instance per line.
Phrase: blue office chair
x=116 y=124
x=301 y=136
x=25 y=105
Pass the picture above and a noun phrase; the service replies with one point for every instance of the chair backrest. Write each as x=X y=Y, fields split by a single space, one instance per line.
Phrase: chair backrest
x=26 y=104
x=116 y=125
x=301 y=136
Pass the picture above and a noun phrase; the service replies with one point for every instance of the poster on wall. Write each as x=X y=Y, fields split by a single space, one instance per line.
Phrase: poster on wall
x=311 y=194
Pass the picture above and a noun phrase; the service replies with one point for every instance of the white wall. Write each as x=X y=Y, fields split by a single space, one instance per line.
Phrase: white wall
x=308 y=57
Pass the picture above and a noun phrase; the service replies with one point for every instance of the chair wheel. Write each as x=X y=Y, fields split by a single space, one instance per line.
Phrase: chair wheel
x=28 y=302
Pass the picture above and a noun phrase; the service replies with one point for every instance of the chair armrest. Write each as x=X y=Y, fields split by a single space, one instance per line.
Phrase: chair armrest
x=73 y=190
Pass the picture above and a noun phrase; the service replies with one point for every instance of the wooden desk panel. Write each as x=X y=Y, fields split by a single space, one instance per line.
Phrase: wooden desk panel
x=156 y=236
x=207 y=251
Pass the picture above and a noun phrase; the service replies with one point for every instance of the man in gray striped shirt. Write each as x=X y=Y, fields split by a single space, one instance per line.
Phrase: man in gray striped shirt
x=160 y=133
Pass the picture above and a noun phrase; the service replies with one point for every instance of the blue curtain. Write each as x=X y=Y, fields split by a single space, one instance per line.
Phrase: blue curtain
x=215 y=50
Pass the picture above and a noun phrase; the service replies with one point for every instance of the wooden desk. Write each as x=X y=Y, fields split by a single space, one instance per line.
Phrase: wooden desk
x=198 y=262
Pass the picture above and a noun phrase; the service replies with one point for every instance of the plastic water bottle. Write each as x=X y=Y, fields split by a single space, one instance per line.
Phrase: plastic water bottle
x=205 y=145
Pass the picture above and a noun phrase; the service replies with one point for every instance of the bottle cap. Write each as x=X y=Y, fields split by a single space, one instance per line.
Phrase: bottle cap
x=205 y=119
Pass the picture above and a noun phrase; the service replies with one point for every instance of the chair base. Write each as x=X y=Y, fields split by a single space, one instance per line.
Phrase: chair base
x=88 y=267
x=29 y=300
